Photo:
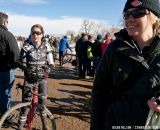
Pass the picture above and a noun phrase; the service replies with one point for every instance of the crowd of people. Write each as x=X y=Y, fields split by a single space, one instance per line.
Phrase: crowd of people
x=125 y=70
x=89 y=52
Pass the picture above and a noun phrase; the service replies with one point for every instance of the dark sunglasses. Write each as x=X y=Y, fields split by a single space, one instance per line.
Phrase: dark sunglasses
x=138 y=13
x=36 y=32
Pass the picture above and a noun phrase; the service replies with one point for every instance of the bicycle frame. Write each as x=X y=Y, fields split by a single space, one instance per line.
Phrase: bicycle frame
x=33 y=107
x=32 y=115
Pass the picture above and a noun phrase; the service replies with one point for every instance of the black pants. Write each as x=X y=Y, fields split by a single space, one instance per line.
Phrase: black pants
x=82 y=67
x=61 y=57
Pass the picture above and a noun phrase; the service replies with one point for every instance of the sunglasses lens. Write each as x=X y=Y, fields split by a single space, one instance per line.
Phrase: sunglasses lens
x=139 y=13
x=36 y=32
x=127 y=14
x=136 y=13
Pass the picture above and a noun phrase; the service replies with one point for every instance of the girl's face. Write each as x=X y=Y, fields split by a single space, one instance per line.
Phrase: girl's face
x=36 y=35
x=137 y=22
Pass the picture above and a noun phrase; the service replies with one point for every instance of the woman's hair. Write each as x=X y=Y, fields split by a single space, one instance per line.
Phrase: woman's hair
x=156 y=23
x=38 y=26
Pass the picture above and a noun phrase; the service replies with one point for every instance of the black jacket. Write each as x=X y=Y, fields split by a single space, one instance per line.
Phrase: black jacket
x=96 y=49
x=9 y=51
x=81 y=48
x=124 y=81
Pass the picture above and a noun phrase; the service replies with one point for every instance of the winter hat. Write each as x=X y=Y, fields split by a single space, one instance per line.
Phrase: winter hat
x=65 y=36
x=151 y=5
x=107 y=36
x=99 y=36
x=89 y=37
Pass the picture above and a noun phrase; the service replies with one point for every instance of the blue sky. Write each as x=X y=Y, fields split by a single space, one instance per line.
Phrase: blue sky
x=57 y=16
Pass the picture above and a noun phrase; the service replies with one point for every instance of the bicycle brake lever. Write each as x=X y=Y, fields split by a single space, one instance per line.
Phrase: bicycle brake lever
x=17 y=88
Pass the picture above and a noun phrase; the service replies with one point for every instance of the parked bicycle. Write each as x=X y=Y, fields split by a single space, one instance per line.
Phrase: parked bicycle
x=34 y=115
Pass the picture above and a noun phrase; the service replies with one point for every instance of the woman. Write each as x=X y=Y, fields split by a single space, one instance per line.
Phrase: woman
x=39 y=58
x=129 y=72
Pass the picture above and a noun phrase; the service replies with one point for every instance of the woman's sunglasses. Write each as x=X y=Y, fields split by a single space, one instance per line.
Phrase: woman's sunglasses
x=138 y=13
x=36 y=32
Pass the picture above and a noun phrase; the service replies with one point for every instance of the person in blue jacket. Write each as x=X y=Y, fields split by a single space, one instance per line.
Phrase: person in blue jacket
x=64 y=44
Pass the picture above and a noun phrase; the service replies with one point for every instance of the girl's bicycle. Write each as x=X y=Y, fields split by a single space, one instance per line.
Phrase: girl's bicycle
x=34 y=116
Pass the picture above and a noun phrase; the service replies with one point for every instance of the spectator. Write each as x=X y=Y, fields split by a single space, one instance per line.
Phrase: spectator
x=97 y=51
x=54 y=43
x=28 y=39
x=89 y=43
x=38 y=58
x=129 y=72
x=9 y=54
x=81 y=53
x=62 y=49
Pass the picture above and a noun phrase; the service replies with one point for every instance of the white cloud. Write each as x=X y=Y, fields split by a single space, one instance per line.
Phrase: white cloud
x=21 y=24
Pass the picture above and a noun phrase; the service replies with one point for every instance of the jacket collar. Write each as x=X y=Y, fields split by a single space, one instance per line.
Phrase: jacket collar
x=122 y=35
x=4 y=27
x=127 y=47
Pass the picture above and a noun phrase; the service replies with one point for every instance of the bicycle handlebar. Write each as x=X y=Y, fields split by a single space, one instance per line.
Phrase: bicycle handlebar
x=18 y=85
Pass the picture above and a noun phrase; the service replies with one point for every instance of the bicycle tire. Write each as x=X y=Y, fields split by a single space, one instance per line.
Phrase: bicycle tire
x=10 y=111
x=15 y=110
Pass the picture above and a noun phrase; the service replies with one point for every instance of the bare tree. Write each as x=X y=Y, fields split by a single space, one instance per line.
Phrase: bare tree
x=71 y=34
x=84 y=27
x=92 y=27
x=113 y=30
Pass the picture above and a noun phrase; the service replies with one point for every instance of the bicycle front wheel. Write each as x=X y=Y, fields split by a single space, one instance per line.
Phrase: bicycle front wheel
x=36 y=122
x=15 y=110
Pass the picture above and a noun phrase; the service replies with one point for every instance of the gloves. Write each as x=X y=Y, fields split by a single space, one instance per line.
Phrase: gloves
x=30 y=76
x=20 y=65
x=27 y=72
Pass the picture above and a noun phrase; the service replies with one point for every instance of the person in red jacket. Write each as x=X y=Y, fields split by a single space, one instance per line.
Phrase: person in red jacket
x=106 y=42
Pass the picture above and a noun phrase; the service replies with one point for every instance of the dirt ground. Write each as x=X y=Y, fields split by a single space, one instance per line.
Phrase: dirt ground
x=68 y=98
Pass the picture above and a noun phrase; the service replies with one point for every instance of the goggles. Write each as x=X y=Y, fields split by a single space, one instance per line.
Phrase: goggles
x=36 y=32
x=138 y=13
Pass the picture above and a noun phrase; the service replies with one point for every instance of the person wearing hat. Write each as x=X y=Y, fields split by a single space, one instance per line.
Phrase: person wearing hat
x=129 y=72
x=96 y=52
